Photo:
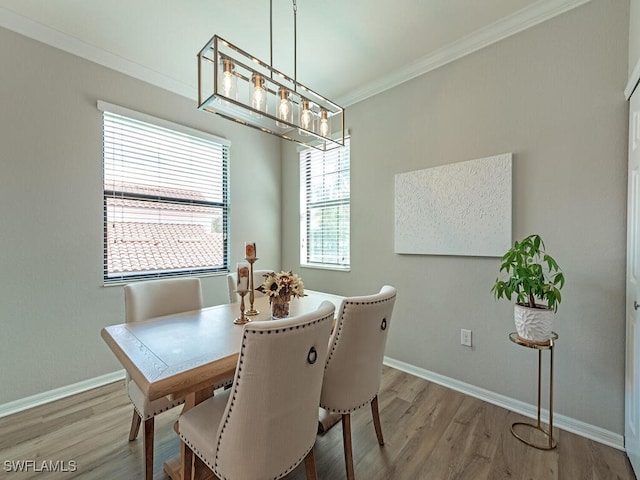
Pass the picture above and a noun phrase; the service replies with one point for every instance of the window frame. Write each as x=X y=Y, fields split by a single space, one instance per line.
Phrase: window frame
x=306 y=156
x=223 y=205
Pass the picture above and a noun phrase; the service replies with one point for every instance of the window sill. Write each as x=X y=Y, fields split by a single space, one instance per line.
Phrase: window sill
x=119 y=283
x=318 y=266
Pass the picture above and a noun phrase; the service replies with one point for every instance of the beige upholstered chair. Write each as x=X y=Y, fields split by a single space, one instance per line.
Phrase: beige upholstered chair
x=265 y=425
x=354 y=364
x=145 y=300
x=232 y=281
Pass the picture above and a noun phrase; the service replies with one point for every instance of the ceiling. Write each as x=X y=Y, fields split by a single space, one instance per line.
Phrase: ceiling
x=347 y=49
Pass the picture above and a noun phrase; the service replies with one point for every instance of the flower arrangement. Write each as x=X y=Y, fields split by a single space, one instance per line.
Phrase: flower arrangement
x=282 y=286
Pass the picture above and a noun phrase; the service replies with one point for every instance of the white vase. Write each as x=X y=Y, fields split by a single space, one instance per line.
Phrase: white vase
x=534 y=324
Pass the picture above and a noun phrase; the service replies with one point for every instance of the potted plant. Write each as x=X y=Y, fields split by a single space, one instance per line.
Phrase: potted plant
x=534 y=276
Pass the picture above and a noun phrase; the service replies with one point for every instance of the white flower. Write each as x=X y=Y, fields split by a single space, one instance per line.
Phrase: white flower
x=270 y=286
x=283 y=284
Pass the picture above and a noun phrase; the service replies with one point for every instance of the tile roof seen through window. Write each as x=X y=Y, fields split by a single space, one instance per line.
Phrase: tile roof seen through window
x=153 y=191
x=138 y=247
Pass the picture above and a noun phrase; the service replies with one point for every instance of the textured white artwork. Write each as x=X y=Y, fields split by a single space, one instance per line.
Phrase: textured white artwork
x=458 y=209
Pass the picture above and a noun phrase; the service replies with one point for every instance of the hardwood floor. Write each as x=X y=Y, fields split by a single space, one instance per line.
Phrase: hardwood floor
x=430 y=432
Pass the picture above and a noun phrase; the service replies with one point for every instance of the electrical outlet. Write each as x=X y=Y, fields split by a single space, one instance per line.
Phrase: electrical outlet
x=465 y=337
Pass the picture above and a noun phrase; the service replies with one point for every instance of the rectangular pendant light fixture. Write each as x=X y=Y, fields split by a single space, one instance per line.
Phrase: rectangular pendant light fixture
x=242 y=88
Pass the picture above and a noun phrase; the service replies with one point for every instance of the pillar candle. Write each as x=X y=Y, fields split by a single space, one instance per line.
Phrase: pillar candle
x=243 y=276
x=250 y=250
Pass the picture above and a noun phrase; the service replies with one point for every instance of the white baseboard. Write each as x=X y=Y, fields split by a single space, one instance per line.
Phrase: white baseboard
x=563 y=422
x=58 y=393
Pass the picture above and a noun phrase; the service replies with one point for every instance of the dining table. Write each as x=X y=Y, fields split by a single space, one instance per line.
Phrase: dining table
x=185 y=354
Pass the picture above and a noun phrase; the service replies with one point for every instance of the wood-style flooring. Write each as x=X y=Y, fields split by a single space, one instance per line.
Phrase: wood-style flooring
x=430 y=432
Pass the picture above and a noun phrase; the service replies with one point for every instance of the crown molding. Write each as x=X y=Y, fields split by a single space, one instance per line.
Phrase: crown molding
x=42 y=33
x=528 y=17
x=535 y=14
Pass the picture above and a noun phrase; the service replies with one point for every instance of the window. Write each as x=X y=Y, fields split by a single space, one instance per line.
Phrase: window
x=165 y=198
x=325 y=207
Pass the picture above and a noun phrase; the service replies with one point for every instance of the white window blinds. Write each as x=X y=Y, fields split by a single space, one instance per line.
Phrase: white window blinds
x=165 y=199
x=325 y=207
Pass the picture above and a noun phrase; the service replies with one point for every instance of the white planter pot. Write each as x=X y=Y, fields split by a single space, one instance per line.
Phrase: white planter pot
x=534 y=324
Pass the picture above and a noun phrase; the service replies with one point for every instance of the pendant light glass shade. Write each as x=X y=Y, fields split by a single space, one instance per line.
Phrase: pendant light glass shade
x=285 y=108
x=258 y=93
x=324 y=127
x=307 y=118
x=227 y=79
x=253 y=93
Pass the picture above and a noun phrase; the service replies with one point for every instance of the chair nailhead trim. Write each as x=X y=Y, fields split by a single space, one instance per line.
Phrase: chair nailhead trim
x=341 y=323
x=156 y=412
x=357 y=407
x=222 y=477
x=235 y=386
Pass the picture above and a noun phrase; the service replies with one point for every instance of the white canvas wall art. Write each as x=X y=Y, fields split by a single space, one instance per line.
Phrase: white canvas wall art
x=458 y=209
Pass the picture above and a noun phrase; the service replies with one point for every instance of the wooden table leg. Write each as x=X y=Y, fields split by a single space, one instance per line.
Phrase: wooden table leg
x=200 y=471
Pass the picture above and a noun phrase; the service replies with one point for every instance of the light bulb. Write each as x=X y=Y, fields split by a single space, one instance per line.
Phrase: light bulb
x=259 y=93
x=324 y=123
x=228 y=79
x=227 y=83
x=285 y=108
x=306 y=117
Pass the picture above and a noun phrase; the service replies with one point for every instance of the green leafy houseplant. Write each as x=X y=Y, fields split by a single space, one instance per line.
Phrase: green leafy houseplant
x=533 y=274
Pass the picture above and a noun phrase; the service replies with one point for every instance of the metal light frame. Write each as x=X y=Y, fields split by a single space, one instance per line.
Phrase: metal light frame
x=219 y=56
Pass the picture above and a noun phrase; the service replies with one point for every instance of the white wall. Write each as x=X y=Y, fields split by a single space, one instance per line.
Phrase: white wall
x=552 y=95
x=52 y=302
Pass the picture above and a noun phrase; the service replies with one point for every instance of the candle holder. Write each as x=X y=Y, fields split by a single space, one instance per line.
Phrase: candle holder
x=241 y=320
x=252 y=311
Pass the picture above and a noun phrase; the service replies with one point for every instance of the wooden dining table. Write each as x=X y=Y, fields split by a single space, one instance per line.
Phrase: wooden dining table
x=186 y=354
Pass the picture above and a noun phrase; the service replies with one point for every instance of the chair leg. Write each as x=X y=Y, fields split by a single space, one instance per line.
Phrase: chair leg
x=346 y=439
x=135 y=425
x=148 y=448
x=376 y=419
x=310 y=465
x=187 y=461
